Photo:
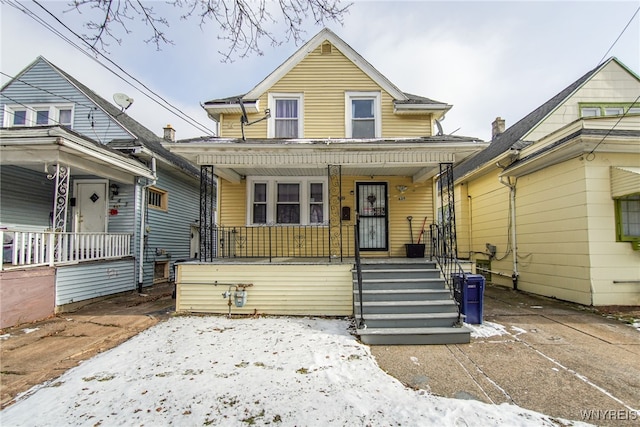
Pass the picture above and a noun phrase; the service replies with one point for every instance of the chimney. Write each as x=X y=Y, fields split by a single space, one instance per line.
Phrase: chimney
x=169 y=134
x=497 y=127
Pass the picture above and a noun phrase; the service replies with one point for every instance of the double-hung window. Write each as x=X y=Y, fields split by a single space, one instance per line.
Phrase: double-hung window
x=286 y=115
x=362 y=115
x=299 y=201
x=628 y=219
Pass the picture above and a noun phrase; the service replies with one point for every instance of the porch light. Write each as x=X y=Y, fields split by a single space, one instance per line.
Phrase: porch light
x=114 y=190
x=401 y=188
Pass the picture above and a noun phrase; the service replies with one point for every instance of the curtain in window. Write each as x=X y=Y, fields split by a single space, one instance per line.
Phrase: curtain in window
x=316 y=210
x=286 y=119
x=288 y=204
x=260 y=203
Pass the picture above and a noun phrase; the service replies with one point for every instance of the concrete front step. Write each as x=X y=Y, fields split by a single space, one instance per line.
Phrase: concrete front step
x=410 y=320
x=403 y=307
x=408 y=273
x=400 y=282
x=402 y=294
x=414 y=336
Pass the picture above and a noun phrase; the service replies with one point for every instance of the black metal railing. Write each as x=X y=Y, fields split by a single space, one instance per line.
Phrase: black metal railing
x=279 y=241
x=447 y=260
x=356 y=244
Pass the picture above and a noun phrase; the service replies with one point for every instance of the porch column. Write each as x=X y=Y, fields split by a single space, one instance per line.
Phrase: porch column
x=335 y=207
x=60 y=203
x=208 y=236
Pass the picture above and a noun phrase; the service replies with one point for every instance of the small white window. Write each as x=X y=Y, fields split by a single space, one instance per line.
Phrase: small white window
x=634 y=110
x=42 y=117
x=19 y=117
x=286 y=115
x=38 y=115
x=363 y=115
x=590 y=112
x=613 y=111
x=64 y=116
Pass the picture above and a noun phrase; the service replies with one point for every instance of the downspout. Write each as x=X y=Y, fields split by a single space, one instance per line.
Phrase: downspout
x=143 y=207
x=514 y=243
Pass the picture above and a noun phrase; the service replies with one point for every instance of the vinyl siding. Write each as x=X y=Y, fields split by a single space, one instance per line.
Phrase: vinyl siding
x=417 y=202
x=52 y=88
x=612 y=84
x=277 y=289
x=324 y=79
x=32 y=211
x=91 y=280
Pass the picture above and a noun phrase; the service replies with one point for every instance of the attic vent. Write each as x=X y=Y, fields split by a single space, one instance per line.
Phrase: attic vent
x=325 y=49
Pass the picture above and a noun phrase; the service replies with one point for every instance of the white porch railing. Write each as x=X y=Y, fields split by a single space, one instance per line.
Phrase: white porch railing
x=38 y=248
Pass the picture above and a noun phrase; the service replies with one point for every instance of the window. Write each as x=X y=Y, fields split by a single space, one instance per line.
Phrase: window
x=608 y=109
x=259 y=203
x=38 y=115
x=158 y=199
x=362 y=115
x=288 y=204
x=628 y=219
x=590 y=112
x=286 y=115
x=299 y=201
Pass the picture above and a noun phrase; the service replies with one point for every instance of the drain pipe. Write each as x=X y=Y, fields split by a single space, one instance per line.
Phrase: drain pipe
x=514 y=242
x=143 y=208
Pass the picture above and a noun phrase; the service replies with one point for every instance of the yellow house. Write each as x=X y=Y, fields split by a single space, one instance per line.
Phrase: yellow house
x=323 y=150
x=552 y=206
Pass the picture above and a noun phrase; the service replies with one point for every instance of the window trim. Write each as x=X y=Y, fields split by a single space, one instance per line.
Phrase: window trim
x=620 y=236
x=164 y=199
x=601 y=108
x=348 y=112
x=305 y=198
x=32 y=112
x=271 y=101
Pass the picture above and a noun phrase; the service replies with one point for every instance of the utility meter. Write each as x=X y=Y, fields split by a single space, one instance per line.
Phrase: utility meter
x=240 y=298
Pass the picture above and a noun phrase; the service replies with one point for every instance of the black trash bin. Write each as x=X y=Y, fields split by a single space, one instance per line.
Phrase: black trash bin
x=469 y=294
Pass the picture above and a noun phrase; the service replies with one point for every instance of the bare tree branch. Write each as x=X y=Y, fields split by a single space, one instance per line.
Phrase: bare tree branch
x=242 y=24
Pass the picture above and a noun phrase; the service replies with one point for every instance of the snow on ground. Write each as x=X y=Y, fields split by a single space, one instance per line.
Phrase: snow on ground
x=246 y=371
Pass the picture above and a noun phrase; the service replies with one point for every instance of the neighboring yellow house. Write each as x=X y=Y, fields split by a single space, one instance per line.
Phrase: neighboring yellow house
x=322 y=141
x=552 y=206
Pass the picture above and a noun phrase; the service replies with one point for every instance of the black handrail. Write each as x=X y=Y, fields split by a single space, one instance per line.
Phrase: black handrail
x=449 y=265
x=356 y=238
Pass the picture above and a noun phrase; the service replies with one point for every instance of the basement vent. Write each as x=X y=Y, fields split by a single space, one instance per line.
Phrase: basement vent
x=325 y=49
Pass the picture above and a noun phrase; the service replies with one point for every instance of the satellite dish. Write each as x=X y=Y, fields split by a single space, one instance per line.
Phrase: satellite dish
x=122 y=100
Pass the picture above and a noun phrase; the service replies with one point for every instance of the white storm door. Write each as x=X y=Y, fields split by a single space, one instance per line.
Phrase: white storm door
x=91 y=206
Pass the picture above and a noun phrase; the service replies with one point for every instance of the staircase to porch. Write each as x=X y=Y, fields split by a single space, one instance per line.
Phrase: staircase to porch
x=406 y=303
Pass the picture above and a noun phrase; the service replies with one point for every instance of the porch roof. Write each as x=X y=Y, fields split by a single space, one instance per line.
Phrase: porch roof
x=36 y=147
x=416 y=157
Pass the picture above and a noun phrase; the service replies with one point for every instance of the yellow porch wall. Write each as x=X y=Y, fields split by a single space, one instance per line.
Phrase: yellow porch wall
x=324 y=79
x=319 y=290
x=417 y=202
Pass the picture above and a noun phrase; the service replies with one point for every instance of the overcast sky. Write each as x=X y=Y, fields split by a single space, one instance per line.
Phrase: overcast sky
x=487 y=59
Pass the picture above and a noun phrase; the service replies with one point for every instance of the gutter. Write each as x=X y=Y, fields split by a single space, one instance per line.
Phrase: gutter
x=514 y=243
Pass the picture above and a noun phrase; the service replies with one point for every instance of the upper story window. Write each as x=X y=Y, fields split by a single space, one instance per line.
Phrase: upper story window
x=38 y=115
x=286 y=115
x=608 y=109
x=363 y=115
x=298 y=201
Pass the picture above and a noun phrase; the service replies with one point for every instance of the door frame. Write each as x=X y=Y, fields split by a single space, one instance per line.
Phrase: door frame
x=385 y=185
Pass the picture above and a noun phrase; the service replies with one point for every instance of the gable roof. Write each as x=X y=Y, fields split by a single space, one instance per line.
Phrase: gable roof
x=511 y=137
x=139 y=133
x=403 y=101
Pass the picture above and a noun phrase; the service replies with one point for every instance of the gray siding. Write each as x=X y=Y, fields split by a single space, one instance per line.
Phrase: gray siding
x=15 y=208
x=91 y=280
x=49 y=87
x=171 y=230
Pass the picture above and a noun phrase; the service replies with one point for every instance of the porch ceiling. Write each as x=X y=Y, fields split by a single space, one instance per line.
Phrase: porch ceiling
x=36 y=149
x=233 y=159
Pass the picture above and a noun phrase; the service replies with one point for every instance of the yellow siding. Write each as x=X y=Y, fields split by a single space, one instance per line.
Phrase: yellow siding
x=324 y=79
x=322 y=290
x=417 y=202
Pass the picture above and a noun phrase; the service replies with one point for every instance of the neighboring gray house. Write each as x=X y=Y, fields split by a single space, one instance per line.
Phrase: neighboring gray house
x=91 y=204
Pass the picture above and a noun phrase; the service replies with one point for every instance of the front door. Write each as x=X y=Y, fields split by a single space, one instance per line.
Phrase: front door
x=91 y=206
x=372 y=214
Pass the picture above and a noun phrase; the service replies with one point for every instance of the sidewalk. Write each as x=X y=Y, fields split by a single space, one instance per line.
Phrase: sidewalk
x=552 y=357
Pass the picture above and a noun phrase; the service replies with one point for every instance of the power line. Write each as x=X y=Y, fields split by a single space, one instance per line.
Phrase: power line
x=620 y=35
x=176 y=111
